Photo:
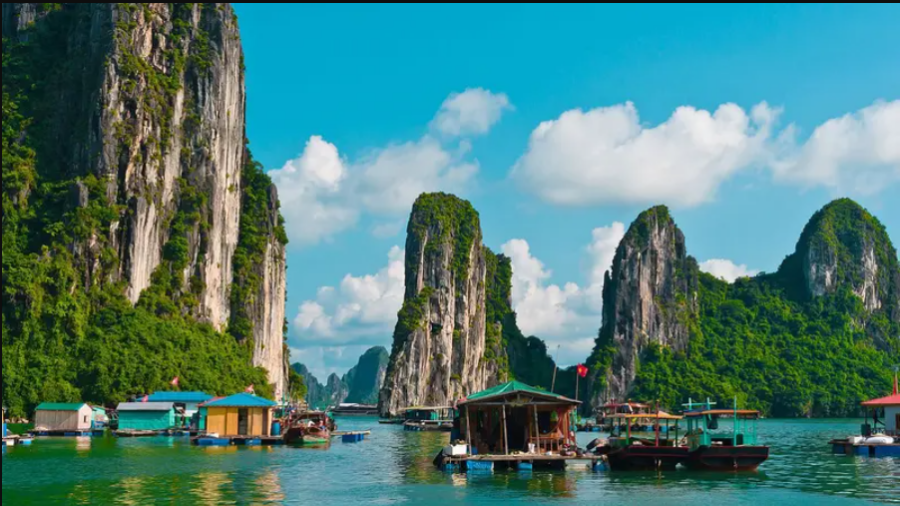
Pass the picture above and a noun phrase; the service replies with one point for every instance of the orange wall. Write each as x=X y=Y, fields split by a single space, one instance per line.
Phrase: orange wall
x=224 y=421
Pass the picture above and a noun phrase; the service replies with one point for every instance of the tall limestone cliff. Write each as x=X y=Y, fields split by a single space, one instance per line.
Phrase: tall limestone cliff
x=136 y=114
x=845 y=247
x=649 y=298
x=365 y=380
x=441 y=349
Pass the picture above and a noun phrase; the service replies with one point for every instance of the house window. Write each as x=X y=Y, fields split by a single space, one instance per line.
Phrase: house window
x=85 y=419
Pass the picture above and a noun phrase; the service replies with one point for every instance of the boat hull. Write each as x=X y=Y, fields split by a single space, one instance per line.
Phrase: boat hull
x=727 y=458
x=307 y=437
x=646 y=458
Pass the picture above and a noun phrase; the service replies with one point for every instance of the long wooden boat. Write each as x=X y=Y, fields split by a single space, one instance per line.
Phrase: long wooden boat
x=727 y=449
x=624 y=452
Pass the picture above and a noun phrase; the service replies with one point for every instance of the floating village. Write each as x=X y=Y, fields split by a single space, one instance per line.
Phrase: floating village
x=512 y=426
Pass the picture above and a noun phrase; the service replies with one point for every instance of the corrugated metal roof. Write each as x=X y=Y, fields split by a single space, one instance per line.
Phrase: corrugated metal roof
x=515 y=387
x=179 y=397
x=146 y=406
x=242 y=401
x=60 y=406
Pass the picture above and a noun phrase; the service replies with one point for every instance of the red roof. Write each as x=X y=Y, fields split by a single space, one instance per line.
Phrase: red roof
x=891 y=400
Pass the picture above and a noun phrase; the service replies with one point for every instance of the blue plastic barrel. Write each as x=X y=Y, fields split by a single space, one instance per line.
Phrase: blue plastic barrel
x=276 y=429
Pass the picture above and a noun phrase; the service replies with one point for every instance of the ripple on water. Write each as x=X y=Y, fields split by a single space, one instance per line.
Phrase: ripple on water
x=394 y=467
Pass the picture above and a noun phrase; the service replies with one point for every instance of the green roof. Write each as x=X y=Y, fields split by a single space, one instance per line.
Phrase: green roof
x=59 y=406
x=514 y=387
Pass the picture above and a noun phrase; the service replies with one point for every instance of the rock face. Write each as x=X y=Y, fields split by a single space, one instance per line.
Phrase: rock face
x=843 y=246
x=649 y=298
x=440 y=351
x=148 y=113
x=364 y=381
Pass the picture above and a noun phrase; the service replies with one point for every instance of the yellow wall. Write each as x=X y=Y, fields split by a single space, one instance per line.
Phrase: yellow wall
x=224 y=421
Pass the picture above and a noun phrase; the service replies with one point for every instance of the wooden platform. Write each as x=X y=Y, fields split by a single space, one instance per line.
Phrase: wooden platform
x=341 y=433
x=864 y=450
x=61 y=433
x=522 y=462
x=237 y=441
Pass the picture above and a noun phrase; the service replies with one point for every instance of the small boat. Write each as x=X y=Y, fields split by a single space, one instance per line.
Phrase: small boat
x=880 y=435
x=732 y=448
x=625 y=452
x=312 y=428
x=429 y=419
x=607 y=417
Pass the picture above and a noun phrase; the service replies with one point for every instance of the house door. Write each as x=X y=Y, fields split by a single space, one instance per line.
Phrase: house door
x=243 y=422
x=897 y=423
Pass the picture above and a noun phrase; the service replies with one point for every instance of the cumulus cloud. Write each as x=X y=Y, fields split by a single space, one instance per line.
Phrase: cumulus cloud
x=324 y=193
x=361 y=311
x=856 y=153
x=472 y=112
x=566 y=316
x=606 y=156
x=727 y=270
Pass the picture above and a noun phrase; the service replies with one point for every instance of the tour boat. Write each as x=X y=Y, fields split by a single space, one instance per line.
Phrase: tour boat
x=733 y=448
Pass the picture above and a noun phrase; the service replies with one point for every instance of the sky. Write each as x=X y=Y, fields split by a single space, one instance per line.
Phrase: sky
x=560 y=123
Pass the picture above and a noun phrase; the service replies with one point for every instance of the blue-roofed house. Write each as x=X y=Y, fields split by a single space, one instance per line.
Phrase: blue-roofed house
x=239 y=415
x=189 y=402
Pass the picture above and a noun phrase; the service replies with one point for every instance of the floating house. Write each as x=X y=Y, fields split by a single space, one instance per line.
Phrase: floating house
x=885 y=415
x=514 y=425
x=880 y=434
x=146 y=416
x=63 y=418
x=186 y=402
x=241 y=415
x=202 y=413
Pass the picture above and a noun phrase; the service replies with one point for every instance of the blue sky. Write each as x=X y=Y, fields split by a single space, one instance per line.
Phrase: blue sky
x=744 y=119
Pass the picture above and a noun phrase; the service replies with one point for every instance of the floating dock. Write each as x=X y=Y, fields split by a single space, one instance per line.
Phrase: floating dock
x=237 y=441
x=524 y=462
x=351 y=436
x=844 y=447
x=60 y=433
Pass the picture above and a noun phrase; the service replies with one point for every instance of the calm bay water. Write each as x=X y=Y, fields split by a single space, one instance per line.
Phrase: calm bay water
x=394 y=467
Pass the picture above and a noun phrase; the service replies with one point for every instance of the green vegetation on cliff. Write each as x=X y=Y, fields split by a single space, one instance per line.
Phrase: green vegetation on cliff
x=69 y=333
x=774 y=345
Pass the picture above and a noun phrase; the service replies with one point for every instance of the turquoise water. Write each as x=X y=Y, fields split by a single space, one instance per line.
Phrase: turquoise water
x=395 y=467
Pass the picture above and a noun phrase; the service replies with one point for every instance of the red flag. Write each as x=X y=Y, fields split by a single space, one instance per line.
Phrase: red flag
x=174 y=382
x=250 y=390
x=896 y=385
x=582 y=371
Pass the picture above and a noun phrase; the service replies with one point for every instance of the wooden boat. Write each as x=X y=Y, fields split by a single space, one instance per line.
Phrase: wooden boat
x=606 y=417
x=732 y=448
x=309 y=429
x=429 y=419
x=625 y=452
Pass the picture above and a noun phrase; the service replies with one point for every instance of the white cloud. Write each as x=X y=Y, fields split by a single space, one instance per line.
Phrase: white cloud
x=309 y=190
x=472 y=112
x=565 y=316
x=606 y=156
x=856 y=153
x=362 y=310
x=727 y=270
x=323 y=193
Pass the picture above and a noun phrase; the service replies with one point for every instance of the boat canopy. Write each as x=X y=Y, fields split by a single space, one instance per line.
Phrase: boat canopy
x=661 y=415
x=740 y=413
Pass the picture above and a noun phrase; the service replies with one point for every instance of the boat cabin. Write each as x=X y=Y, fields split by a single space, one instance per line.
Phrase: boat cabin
x=517 y=418
x=663 y=425
x=705 y=430
x=885 y=416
